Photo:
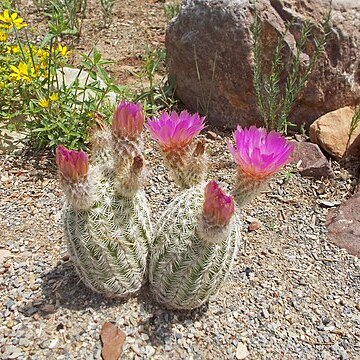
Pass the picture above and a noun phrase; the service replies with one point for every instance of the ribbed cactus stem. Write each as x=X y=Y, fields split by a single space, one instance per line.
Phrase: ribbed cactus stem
x=109 y=243
x=212 y=233
x=128 y=182
x=81 y=194
x=188 y=266
x=246 y=188
x=188 y=165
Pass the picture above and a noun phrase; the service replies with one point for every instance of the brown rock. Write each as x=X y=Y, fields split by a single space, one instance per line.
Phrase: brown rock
x=312 y=162
x=331 y=132
x=254 y=225
x=344 y=225
x=209 y=47
x=112 y=339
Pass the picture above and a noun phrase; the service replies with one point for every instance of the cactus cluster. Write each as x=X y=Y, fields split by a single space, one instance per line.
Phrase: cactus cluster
x=193 y=247
x=106 y=216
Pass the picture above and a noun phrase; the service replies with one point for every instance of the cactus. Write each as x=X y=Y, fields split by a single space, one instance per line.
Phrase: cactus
x=106 y=217
x=174 y=133
x=258 y=155
x=195 y=245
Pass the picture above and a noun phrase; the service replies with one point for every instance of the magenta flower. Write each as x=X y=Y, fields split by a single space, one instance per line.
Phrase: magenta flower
x=72 y=164
x=175 y=131
x=218 y=207
x=128 y=120
x=259 y=154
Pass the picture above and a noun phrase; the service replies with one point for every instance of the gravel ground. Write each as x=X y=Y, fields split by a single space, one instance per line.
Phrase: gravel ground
x=291 y=295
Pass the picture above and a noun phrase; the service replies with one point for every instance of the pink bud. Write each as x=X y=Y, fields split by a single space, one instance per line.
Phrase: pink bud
x=128 y=120
x=218 y=207
x=173 y=131
x=72 y=164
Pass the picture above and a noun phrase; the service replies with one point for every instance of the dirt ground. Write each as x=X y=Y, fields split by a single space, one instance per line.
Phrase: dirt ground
x=136 y=24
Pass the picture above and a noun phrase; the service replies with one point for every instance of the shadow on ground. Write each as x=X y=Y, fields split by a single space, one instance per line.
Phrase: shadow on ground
x=62 y=288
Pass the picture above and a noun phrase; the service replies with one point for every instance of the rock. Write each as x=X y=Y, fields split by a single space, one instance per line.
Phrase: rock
x=4 y=254
x=331 y=132
x=112 y=339
x=69 y=75
x=11 y=141
x=343 y=225
x=12 y=352
x=254 y=225
x=329 y=204
x=311 y=161
x=241 y=351
x=209 y=48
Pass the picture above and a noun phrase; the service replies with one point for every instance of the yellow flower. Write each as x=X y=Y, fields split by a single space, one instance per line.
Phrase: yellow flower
x=63 y=50
x=44 y=103
x=3 y=36
x=14 y=49
x=41 y=53
x=21 y=72
x=10 y=21
x=54 y=97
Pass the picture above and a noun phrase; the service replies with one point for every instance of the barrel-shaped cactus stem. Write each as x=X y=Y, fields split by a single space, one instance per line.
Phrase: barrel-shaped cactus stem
x=195 y=244
x=258 y=155
x=175 y=134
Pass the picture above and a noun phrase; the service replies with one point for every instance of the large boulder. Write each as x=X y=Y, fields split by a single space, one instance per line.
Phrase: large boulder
x=343 y=225
x=209 y=47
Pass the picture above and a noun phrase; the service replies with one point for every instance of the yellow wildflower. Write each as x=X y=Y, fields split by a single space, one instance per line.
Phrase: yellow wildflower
x=41 y=53
x=44 y=103
x=54 y=97
x=3 y=36
x=13 y=49
x=8 y=21
x=21 y=72
x=63 y=50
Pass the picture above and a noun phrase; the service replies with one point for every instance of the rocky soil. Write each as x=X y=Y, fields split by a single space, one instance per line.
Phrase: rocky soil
x=291 y=295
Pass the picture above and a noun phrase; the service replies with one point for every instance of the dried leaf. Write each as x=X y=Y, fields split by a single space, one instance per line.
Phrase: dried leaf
x=112 y=339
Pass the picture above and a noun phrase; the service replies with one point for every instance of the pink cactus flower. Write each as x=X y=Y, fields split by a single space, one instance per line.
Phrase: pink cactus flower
x=173 y=131
x=218 y=207
x=128 y=120
x=72 y=164
x=259 y=154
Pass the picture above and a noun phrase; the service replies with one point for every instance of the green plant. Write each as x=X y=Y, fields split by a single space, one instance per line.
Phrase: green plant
x=107 y=7
x=172 y=10
x=69 y=12
x=159 y=94
x=355 y=122
x=106 y=217
x=203 y=104
x=275 y=101
x=33 y=85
